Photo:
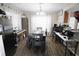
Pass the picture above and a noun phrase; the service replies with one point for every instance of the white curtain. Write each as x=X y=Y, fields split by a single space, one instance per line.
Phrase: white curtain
x=72 y=22
x=41 y=21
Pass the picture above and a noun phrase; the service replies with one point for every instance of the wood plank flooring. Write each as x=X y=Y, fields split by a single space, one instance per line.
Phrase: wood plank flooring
x=52 y=49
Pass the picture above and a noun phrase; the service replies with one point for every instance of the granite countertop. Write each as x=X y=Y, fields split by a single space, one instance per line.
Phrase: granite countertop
x=65 y=38
x=6 y=32
x=20 y=31
x=11 y=31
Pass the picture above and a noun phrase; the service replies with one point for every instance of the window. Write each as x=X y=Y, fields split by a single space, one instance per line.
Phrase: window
x=72 y=22
x=40 y=21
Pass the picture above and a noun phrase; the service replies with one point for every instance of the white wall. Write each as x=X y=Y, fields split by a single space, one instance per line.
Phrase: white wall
x=60 y=17
x=54 y=19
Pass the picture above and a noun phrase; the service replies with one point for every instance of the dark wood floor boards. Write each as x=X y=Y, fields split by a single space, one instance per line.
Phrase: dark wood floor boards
x=52 y=49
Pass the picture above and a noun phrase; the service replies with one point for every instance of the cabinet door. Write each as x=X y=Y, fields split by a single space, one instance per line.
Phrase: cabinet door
x=66 y=17
x=25 y=24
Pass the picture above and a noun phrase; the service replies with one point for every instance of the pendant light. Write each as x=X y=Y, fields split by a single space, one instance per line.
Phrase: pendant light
x=40 y=11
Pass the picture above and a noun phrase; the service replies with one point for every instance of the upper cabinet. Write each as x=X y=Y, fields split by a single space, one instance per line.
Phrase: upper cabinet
x=66 y=14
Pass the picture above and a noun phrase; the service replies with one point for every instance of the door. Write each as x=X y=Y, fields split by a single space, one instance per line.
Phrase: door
x=25 y=24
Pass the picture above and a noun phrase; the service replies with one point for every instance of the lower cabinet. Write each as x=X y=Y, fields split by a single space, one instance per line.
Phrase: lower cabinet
x=10 y=43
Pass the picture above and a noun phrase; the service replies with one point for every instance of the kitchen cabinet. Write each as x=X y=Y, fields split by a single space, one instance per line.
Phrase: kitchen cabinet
x=10 y=41
x=66 y=14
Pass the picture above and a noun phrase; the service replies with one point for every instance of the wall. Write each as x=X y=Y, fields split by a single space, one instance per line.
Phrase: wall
x=60 y=17
x=54 y=19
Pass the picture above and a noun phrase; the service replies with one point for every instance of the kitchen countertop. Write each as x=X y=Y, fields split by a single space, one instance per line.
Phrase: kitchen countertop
x=65 y=38
x=20 y=31
x=11 y=31
x=73 y=40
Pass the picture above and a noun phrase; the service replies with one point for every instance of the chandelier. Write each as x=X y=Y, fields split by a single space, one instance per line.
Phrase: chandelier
x=40 y=12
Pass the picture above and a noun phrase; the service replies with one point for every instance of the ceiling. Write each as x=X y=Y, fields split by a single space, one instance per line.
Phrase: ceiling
x=35 y=7
x=75 y=8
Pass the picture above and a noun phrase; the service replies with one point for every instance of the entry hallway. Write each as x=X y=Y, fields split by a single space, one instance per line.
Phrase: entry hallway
x=52 y=49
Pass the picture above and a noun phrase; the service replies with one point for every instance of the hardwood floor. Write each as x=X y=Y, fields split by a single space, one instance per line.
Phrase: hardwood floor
x=52 y=49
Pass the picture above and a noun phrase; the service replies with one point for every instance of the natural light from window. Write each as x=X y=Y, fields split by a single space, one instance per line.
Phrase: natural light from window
x=40 y=21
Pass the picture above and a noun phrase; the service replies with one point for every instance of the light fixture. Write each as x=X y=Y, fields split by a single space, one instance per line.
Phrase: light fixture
x=37 y=13
x=40 y=12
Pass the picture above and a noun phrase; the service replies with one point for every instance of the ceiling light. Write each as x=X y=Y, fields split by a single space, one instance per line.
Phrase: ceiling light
x=40 y=12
